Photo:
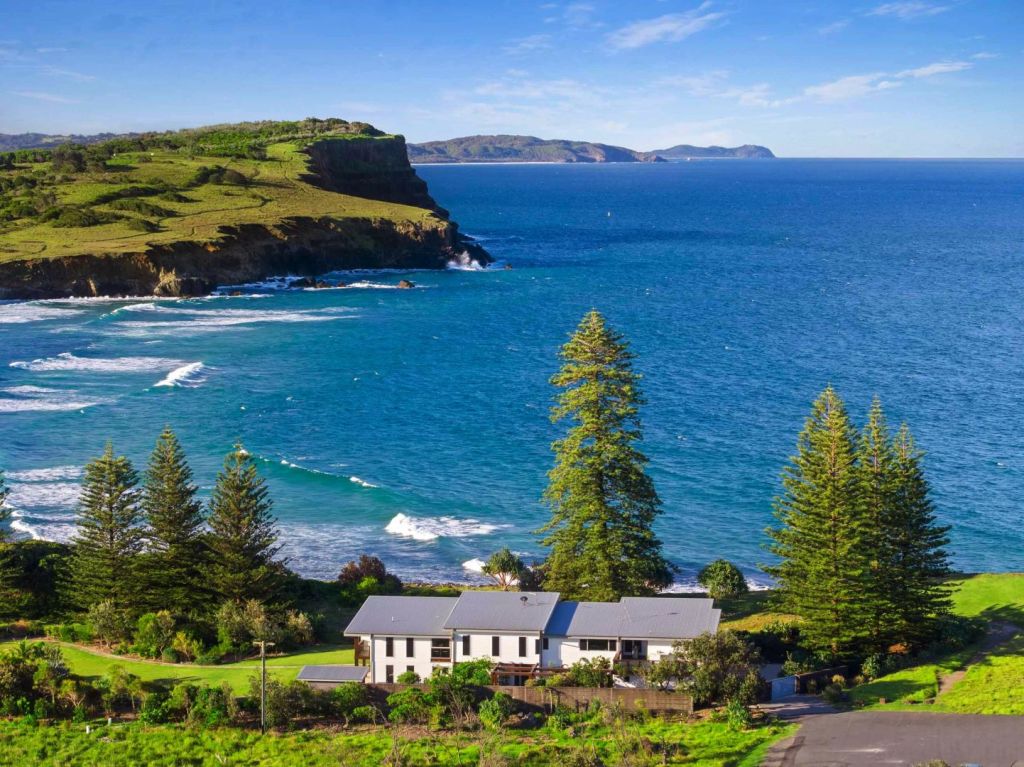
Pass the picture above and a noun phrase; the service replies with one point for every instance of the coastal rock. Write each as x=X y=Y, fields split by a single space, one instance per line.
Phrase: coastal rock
x=302 y=282
x=406 y=284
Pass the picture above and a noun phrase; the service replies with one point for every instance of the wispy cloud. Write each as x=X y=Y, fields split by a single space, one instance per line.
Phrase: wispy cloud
x=573 y=15
x=714 y=84
x=528 y=44
x=985 y=55
x=704 y=84
x=835 y=26
x=52 y=98
x=910 y=9
x=938 y=68
x=69 y=74
x=671 y=28
x=857 y=86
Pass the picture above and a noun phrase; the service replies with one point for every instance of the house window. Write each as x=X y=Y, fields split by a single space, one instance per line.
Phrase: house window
x=522 y=647
x=410 y=651
x=410 y=669
x=465 y=645
x=389 y=647
x=495 y=646
x=536 y=647
x=598 y=645
x=389 y=674
x=545 y=643
x=440 y=650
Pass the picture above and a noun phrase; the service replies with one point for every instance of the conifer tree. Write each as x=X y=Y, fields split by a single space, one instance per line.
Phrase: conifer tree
x=175 y=563
x=876 y=471
x=243 y=534
x=822 y=533
x=109 y=538
x=603 y=503
x=919 y=561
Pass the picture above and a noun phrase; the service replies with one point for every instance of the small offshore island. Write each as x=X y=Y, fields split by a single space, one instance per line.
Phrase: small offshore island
x=181 y=213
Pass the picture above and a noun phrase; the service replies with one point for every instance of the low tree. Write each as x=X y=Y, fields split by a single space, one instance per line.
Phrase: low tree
x=717 y=668
x=504 y=568
x=603 y=503
x=722 y=579
x=243 y=534
x=365 y=577
x=175 y=565
x=108 y=538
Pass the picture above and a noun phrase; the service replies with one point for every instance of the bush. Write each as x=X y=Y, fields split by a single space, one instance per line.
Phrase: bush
x=833 y=693
x=155 y=709
x=108 y=622
x=738 y=715
x=187 y=647
x=154 y=633
x=136 y=205
x=718 y=667
x=722 y=579
x=69 y=632
x=495 y=712
x=142 y=225
x=204 y=706
x=364 y=714
x=298 y=629
x=346 y=699
x=593 y=672
x=408 y=677
x=411 y=706
x=365 y=577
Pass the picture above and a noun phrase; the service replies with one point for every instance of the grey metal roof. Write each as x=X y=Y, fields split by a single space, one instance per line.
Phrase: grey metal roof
x=402 y=616
x=333 y=673
x=503 y=610
x=635 y=617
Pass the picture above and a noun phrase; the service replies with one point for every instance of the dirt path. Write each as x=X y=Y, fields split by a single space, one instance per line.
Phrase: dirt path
x=998 y=633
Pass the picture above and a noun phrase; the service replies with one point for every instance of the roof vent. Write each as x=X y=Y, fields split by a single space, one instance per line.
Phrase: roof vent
x=523 y=599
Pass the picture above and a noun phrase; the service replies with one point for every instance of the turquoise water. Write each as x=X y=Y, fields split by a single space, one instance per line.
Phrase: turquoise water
x=745 y=288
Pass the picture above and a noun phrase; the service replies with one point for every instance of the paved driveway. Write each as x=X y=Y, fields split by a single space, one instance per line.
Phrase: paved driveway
x=859 y=739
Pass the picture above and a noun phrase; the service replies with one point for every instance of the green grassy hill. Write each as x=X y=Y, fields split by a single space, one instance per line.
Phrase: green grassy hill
x=318 y=190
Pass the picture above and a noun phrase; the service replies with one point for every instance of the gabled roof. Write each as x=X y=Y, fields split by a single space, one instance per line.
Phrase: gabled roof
x=402 y=616
x=502 y=611
x=635 y=617
x=333 y=673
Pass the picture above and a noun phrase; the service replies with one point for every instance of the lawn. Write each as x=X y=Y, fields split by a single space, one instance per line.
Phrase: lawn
x=993 y=686
x=284 y=667
x=700 y=745
x=996 y=596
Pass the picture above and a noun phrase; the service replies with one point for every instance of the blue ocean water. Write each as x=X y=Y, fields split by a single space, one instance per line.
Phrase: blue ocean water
x=413 y=424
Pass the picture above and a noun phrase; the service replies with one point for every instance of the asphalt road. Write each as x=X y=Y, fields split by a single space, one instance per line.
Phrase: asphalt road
x=860 y=739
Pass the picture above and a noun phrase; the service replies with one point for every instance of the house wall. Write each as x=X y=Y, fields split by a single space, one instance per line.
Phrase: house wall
x=401 y=660
x=565 y=651
x=508 y=650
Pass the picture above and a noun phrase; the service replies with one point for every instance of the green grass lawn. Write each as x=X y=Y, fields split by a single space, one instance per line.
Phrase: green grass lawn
x=284 y=667
x=993 y=686
x=995 y=596
x=699 y=745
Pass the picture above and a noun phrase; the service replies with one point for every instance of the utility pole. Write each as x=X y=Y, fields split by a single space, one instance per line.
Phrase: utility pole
x=263 y=645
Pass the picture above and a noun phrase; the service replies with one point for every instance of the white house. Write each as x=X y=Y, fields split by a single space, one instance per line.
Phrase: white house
x=522 y=633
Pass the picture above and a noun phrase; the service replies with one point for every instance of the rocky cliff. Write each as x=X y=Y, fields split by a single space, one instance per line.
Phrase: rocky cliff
x=371 y=168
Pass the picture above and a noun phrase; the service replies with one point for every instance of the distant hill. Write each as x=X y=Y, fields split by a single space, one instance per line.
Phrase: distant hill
x=11 y=142
x=686 y=151
x=506 y=148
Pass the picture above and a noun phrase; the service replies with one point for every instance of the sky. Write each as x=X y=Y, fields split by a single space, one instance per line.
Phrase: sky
x=911 y=78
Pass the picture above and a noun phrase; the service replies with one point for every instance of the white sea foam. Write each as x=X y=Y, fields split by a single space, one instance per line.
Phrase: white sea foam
x=187 y=376
x=44 y=494
x=297 y=467
x=463 y=262
x=69 y=362
x=362 y=482
x=19 y=313
x=52 y=474
x=41 y=530
x=182 y=319
x=38 y=399
x=432 y=528
x=474 y=565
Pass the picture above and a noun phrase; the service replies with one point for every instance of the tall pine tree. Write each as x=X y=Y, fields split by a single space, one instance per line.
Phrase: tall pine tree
x=876 y=471
x=109 y=538
x=243 y=534
x=821 y=537
x=175 y=571
x=919 y=562
x=603 y=503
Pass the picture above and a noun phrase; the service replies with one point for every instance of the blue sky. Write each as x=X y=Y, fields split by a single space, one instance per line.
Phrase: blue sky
x=807 y=78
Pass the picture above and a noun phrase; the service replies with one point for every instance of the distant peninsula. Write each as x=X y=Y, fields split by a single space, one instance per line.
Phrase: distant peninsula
x=184 y=212
x=505 y=148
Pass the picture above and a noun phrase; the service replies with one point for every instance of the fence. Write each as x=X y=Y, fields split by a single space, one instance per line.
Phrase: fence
x=820 y=678
x=546 y=698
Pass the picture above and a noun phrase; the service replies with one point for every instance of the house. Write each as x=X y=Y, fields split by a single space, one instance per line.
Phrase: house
x=523 y=633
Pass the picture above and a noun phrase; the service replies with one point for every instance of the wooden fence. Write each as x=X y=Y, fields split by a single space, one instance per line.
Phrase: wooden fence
x=546 y=698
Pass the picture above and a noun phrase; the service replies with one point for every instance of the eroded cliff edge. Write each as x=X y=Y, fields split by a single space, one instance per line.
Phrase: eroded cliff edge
x=371 y=168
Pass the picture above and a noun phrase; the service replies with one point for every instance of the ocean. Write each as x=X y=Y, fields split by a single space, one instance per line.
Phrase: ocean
x=413 y=424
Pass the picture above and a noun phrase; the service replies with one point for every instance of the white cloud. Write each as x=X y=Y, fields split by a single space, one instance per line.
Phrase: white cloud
x=41 y=96
x=528 y=44
x=672 y=27
x=834 y=27
x=71 y=75
x=704 y=84
x=911 y=9
x=985 y=55
x=851 y=87
x=938 y=68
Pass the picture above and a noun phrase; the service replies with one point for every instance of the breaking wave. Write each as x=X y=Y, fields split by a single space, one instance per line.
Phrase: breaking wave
x=69 y=362
x=430 y=529
x=20 y=313
x=38 y=399
x=362 y=482
x=187 y=376
x=52 y=474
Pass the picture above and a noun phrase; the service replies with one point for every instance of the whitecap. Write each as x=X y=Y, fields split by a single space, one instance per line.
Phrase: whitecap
x=44 y=494
x=68 y=362
x=51 y=474
x=432 y=528
x=474 y=565
x=463 y=262
x=362 y=482
x=19 y=313
x=38 y=399
x=187 y=376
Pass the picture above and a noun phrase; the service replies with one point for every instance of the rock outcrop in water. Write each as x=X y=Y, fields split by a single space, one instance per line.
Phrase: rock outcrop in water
x=375 y=168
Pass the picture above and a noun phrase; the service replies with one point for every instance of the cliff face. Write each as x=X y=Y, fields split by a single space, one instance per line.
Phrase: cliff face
x=371 y=168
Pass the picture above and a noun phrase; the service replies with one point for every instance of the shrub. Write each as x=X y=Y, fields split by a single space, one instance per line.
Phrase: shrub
x=108 y=622
x=298 y=628
x=286 y=702
x=70 y=632
x=718 y=667
x=119 y=687
x=411 y=706
x=142 y=225
x=136 y=205
x=155 y=709
x=186 y=646
x=154 y=632
x=364 y=714
x=346 y=699
x=495 y=712
x=738 y=715
x=365 y=577
x=833 y=693
x=408 y=677
x=591 y=672
x=722 y=579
